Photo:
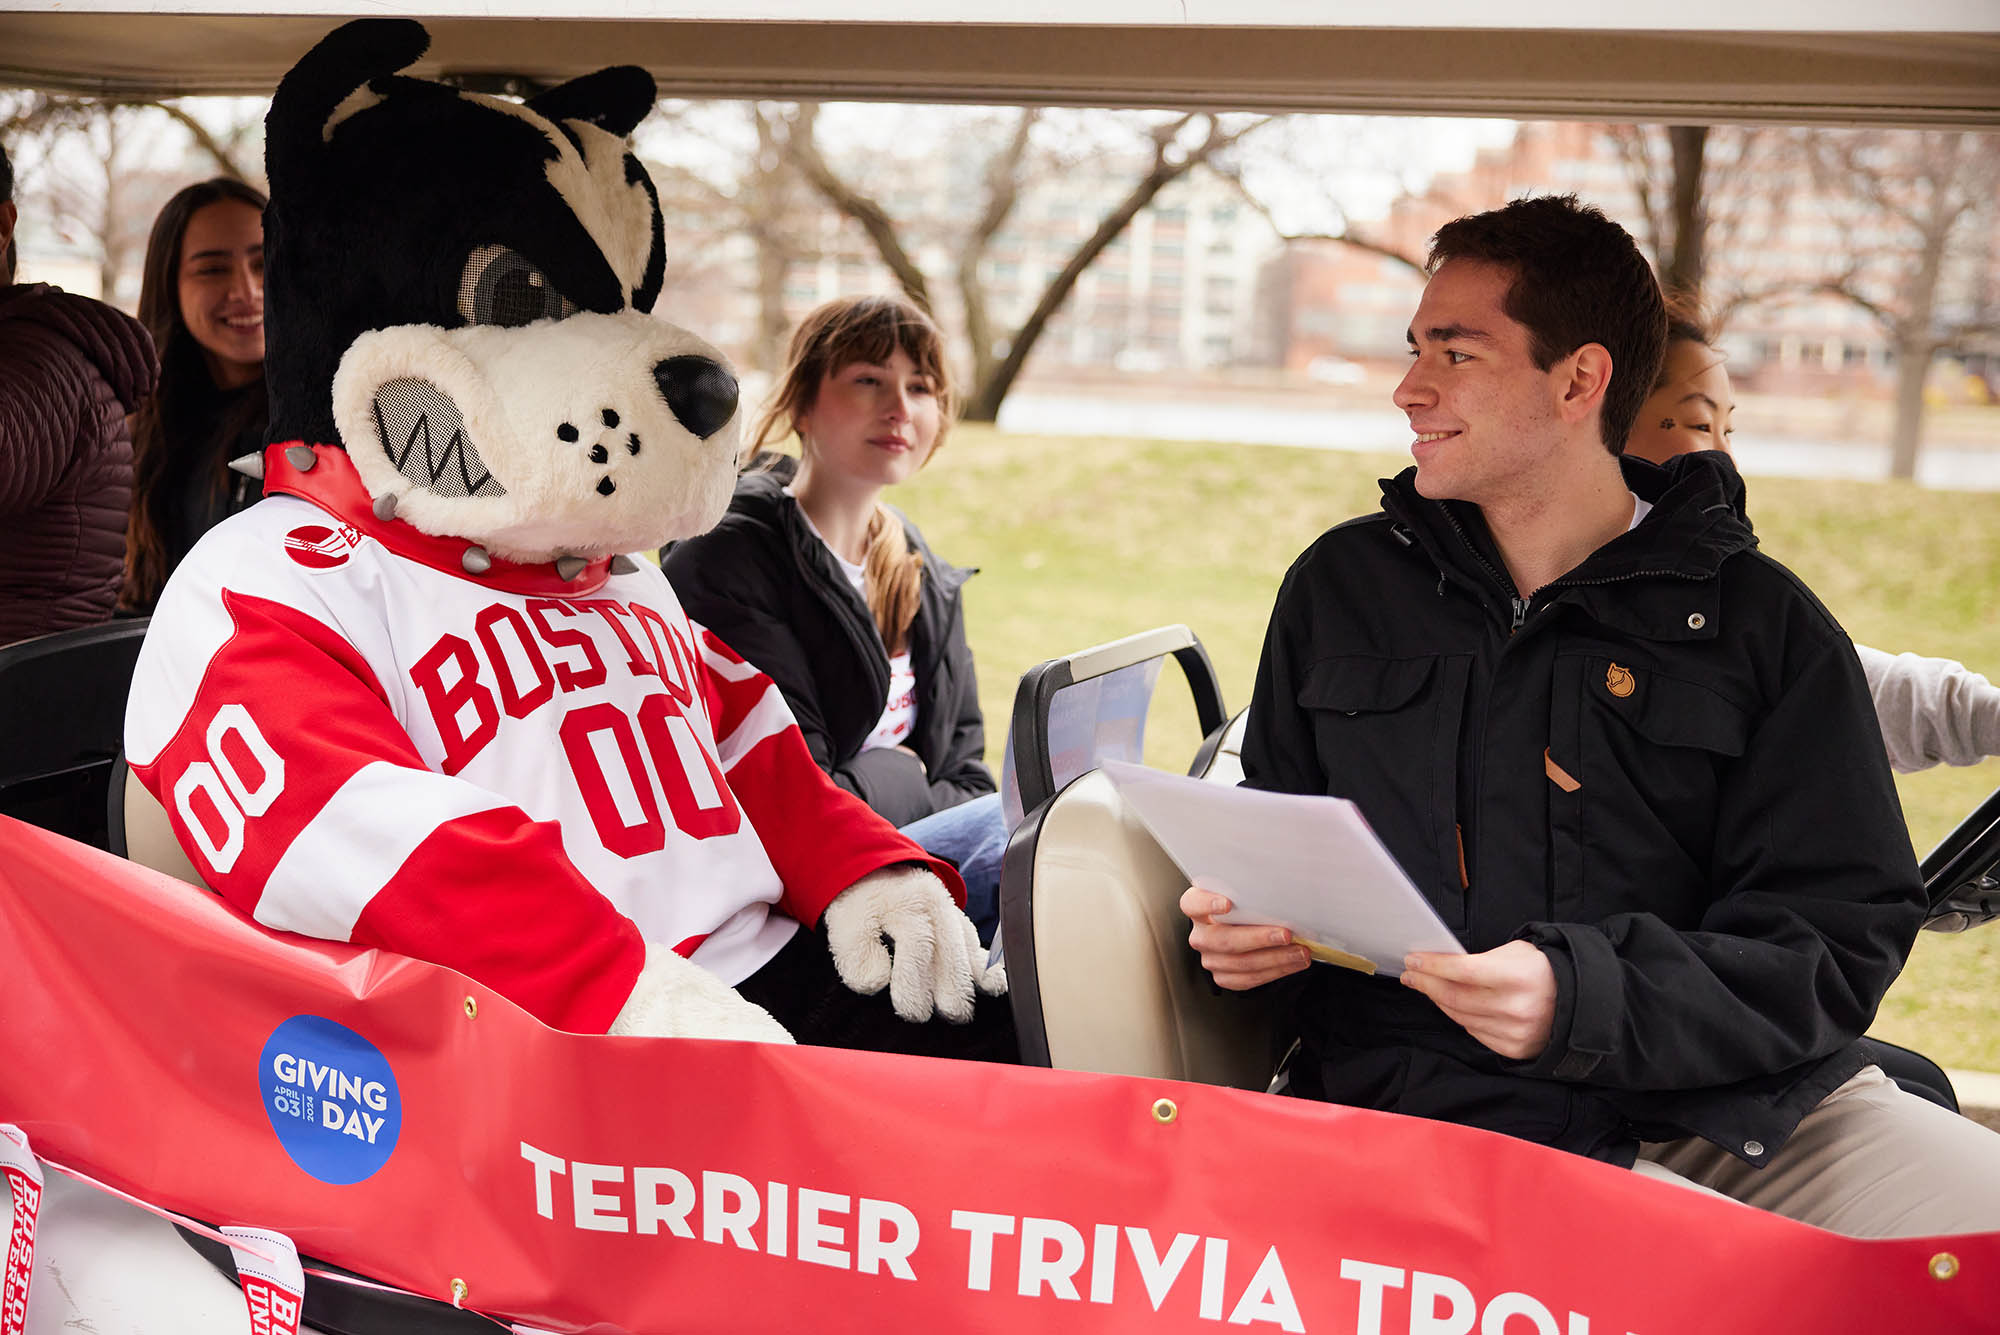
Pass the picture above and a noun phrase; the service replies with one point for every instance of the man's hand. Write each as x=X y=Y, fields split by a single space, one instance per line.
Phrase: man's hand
x=1238 y=957
x=1505 y=998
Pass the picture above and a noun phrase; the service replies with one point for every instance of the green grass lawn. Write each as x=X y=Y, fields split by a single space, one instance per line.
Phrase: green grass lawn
x=1083 y=540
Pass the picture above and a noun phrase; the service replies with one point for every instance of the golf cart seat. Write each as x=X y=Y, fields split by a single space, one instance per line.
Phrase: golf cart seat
x=62 y=717
x=1099 y=969
x=138 y=829
x=1101 y=975
x=1962 y=874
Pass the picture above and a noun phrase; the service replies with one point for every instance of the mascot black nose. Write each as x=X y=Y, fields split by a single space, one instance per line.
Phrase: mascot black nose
x=701 y=393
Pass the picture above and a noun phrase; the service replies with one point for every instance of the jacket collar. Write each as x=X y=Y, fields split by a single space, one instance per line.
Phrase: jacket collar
x=1656 y=580
x=331 y=482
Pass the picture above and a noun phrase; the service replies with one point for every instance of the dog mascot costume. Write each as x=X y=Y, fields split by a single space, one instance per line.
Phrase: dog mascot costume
x=418 y=698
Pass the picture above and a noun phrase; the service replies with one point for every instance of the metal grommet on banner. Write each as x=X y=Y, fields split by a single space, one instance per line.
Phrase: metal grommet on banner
x=458 y=1292
x=1944 y=1266
x=1165 y=1111
x=472 y=1008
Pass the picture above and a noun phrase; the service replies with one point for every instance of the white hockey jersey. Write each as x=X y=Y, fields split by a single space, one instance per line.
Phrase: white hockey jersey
x=522 y=777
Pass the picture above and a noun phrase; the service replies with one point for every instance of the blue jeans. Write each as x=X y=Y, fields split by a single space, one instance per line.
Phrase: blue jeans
x=973 y=836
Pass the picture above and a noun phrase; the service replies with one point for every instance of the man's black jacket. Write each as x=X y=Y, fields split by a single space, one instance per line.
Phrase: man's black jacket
x=1663 y=769
x=762 y=581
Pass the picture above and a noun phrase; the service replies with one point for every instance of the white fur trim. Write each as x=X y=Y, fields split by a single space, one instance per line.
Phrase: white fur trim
x=513 y=389
x=617 y=214
x=676 y=998
x=933 y=960
x=360 y=99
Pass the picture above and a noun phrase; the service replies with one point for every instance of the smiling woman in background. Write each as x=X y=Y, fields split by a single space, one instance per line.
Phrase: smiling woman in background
x=837 y=598
x=202 y=298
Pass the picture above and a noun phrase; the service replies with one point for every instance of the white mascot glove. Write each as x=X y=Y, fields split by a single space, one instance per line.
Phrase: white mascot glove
x=933 y=959
x=677 y=998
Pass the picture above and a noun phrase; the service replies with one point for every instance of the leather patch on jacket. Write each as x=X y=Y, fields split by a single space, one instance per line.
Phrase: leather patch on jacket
x=1559 y=776
x=1619 y=681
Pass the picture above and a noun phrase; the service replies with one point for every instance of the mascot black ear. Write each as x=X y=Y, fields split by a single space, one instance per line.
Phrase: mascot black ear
x=341 y=65
x=614 y=99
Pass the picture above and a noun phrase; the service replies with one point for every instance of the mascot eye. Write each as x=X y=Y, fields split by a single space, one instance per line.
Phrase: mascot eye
x=503 y=287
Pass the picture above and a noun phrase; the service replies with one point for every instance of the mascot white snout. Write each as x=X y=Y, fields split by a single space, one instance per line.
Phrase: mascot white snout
x=582 y=436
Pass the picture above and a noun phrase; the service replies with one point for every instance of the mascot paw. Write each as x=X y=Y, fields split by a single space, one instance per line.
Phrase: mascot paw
x=677 y=998
x=931 y=960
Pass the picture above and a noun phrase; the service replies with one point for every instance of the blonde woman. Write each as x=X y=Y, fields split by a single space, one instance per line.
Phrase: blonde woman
x=836 y=596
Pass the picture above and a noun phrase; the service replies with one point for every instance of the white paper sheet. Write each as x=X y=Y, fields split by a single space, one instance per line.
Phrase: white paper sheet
x=1307 y=863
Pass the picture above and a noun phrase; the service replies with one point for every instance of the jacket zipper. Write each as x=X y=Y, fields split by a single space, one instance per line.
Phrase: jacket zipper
x=1519 y=605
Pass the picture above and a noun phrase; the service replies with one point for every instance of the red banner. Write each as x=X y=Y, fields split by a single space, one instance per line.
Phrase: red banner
x=395 y=1118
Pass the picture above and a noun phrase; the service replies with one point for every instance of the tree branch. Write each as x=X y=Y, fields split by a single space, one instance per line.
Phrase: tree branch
x=803 y=150
x=1168 y=167
x=1003 y=191
x=203 y=140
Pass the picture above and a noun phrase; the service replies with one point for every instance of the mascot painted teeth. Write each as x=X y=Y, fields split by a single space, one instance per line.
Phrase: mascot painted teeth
x=420 y=699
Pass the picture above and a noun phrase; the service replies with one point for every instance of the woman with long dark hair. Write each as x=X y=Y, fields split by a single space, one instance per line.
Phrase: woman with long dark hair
x=202 y=299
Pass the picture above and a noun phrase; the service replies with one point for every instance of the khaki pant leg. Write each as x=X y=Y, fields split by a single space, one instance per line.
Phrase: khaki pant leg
x=1871 y=1161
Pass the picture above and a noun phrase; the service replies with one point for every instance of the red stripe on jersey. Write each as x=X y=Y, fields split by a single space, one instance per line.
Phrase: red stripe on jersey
x=333 y=722
x=820 y=837
x=493 y=896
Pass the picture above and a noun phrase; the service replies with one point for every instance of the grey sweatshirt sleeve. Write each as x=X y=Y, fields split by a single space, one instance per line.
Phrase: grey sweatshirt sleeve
x=1931 y=710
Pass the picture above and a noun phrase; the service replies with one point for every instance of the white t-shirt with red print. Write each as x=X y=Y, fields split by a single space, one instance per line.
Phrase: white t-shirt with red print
x=518 y=776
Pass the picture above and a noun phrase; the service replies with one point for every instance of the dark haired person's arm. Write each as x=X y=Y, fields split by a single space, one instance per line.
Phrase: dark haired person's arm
x=1932 y=710
x=44 y=396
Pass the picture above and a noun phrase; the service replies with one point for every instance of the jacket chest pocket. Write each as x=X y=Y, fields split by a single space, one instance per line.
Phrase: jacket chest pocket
x=1637 y=759
x=1386 y=732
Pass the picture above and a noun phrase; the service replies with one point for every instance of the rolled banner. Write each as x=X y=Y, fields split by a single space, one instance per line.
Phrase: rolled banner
x=24 y=1195
x=274 y=1284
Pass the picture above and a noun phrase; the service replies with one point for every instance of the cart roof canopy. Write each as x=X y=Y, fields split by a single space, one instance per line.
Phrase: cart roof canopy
x=1914 y=63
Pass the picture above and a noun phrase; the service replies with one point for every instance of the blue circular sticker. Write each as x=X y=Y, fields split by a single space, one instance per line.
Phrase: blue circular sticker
x=331 y=1098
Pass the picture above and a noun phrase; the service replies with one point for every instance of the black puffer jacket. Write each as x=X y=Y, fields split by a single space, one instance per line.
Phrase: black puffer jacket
x=763 y=582
x=71 y=369
x=1663 y=769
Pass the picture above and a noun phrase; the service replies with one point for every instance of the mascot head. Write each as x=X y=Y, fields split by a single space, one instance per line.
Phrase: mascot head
x=459 y=292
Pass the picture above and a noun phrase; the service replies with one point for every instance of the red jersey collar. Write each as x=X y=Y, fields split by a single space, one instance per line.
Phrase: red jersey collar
x=332 y=484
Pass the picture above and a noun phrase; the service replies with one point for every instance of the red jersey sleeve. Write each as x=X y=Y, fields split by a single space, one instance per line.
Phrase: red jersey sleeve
x=820 y=837
x=302 y=800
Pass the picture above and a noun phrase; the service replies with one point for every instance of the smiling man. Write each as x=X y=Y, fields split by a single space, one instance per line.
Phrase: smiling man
x=1629 y=760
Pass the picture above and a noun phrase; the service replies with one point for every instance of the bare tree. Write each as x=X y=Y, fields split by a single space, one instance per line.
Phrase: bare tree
x=1712 y=202
x=1912 y=206
x=90 y=180
x=742 y=185
x=1176 y=147
x=1666 y=166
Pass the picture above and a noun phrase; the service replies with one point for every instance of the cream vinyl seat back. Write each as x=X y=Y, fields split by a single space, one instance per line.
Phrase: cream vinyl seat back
x=1100 y=972
x=140 y=831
